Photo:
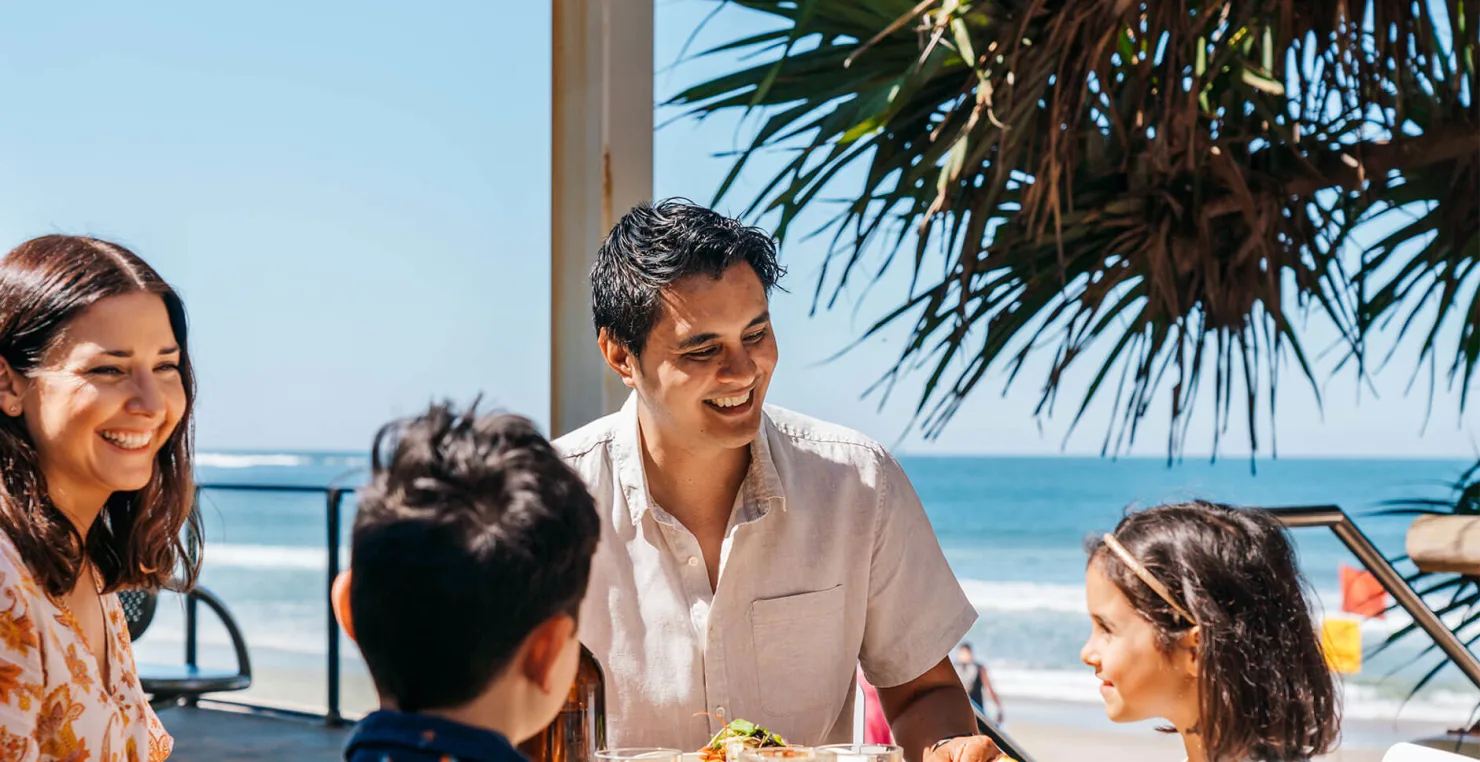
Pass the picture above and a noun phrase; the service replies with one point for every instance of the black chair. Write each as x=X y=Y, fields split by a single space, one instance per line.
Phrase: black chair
x=168 y=685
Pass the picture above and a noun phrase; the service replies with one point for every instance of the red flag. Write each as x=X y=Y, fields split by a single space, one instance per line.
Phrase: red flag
x=1361 y=593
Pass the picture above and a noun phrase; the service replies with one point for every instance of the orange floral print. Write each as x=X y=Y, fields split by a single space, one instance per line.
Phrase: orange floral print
x=58 y=712
x=17 y=633
x=55 y=703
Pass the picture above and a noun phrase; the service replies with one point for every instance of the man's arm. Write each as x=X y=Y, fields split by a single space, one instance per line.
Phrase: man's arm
x=932 y=707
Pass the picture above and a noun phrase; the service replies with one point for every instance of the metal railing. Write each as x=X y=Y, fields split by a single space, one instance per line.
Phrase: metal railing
x=333 y=501
x=999 y=736
x=1335 y=519
x=1327 y=516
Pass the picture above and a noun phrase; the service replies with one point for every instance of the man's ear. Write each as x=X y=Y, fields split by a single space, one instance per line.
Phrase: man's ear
x=543 y=649
x=12 y=387
x=339 y=599
x=618 y=357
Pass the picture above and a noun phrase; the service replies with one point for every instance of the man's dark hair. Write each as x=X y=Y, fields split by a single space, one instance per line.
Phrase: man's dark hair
x=656 y=245
x=471 y=533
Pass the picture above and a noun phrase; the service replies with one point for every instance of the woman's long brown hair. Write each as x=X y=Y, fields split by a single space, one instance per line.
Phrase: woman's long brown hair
x=149 y=538
x=1264 y=690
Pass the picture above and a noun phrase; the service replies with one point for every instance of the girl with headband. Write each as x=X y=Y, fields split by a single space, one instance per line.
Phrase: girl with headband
x=1199 y=619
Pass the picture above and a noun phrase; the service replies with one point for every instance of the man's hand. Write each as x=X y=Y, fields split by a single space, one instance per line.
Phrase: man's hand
x=965 y=749
x=931 y=707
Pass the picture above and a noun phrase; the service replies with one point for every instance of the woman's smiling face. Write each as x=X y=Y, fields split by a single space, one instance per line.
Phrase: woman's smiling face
x=104 y=399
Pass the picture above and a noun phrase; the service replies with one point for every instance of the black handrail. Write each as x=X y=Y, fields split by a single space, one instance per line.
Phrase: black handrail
x=999 y=736
x=333 y=500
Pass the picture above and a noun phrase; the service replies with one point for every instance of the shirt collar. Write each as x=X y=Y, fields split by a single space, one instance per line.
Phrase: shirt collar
x=760 y=490
x=430 y=735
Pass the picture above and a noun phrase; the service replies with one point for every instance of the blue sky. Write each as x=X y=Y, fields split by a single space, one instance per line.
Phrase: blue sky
x=353 y=199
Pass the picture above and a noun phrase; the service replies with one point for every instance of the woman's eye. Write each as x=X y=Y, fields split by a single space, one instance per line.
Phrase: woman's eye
x=169 y=367
x=106 y=370
x=703 y=354
x=757 y=336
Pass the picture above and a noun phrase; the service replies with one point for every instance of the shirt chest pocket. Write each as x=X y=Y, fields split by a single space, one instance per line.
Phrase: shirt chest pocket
x=799 y=652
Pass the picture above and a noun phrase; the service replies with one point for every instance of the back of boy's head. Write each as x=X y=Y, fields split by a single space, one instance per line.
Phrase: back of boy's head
x=471 y=533
x=1265 y=691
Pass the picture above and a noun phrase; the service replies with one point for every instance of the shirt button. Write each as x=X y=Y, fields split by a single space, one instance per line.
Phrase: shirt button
x=693 y=560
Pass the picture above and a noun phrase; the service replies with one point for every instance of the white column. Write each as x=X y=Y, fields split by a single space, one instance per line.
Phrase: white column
x=601 y=165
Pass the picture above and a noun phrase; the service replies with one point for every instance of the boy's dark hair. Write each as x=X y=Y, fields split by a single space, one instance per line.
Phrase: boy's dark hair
x=1265 y=691
x=470 y=534
x=656 y=245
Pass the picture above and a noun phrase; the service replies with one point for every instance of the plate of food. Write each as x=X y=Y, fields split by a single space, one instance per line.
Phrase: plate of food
x=734 y=738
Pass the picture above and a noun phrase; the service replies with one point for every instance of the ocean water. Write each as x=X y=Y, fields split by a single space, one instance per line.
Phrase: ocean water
x=1013 y=530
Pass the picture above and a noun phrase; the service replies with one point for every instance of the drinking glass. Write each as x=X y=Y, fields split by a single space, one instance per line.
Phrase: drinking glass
x=779 y=754
x=639 y=754
x=860 y=752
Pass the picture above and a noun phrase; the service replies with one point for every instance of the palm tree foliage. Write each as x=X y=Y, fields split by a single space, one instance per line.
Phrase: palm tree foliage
x=1153 y=191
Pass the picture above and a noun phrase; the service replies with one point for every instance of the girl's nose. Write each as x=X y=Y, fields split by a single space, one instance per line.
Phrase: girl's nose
x=1088 y=655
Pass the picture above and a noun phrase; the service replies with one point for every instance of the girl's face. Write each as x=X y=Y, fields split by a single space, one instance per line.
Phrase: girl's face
x=1137 y=681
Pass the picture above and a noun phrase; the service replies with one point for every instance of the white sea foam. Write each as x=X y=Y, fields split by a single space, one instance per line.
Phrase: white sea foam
x=990 y=595
x=1002 y=596
x=269 y=557
x=245 y=460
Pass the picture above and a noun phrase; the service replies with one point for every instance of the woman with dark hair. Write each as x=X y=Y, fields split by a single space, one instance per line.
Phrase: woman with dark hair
x=1200 y=619
x=96 y=492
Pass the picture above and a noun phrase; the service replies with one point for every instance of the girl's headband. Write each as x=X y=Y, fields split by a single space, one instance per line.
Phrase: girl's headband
x=1151 y=581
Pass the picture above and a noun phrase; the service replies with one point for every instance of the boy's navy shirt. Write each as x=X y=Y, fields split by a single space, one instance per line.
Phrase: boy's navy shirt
x=387 y=736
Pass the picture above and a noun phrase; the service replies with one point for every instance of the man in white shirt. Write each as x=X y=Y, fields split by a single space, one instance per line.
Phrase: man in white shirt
x=751 y=558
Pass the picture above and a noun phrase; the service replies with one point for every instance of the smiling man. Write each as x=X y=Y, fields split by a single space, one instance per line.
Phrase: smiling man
x=751 y=557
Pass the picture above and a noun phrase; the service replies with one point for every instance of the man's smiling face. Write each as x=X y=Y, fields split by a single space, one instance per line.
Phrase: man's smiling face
x=706 y=365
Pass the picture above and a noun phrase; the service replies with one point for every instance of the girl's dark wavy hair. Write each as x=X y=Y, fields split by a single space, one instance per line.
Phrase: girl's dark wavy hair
x=150 y=538
x=1265 y=691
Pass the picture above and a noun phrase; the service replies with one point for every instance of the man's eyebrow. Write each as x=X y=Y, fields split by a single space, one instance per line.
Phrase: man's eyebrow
x=696 y=340
x=705 y=338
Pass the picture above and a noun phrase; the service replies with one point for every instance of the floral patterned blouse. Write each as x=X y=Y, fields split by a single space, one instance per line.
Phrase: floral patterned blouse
x=54 y=704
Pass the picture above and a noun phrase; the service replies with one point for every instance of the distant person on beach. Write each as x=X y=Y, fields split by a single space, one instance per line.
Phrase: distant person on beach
x=96 y=494
x=751 y=557
x=973 y=675
x=470 y=555
x=1199 y=618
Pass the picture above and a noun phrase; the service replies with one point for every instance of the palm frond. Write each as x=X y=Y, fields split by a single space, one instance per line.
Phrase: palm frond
x=1150 y=184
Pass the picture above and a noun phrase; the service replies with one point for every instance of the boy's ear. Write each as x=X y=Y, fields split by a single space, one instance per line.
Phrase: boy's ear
x=339 y=599
x=542 y=651
x=618 y=357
